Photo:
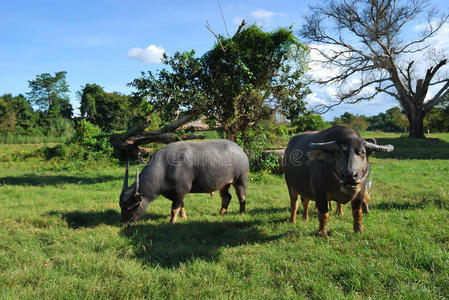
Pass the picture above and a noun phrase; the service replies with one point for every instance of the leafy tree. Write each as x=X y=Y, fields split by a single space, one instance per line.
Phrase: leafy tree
x=248 y=75
x=16 y=113
x=110 y=111
x=7 y=116
x=358 y=122
x=177 y=86
x=309 y=121
x=236 y=84
x=397 y=119
x=437 y=120
x=50 y=94
x=368 y=42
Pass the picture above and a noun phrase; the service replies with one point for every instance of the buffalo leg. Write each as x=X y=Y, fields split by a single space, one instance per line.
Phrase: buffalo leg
x=323 y=216
x=305 y=208
x=240 y=190
x=293 y=204
x=225 y=198
x=366 y=200
x=175 y=208
x=330 y=205
x=340 y=209
x=182 y=211
x=357 y=213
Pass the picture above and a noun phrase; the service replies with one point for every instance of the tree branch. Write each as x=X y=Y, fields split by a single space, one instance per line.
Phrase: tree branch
x=216 y=36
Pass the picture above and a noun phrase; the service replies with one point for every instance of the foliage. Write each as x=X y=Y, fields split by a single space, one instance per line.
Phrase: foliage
x=177 y=86
x=20 y=123
x=88 y=143
x=265 y=136
x=50 y=94
x=357 y=122
x=110 y=111
x=236 y=87
x=437 y=120
x=309 y=121
x=16 y=114
x=391 y=121
x=255 y=72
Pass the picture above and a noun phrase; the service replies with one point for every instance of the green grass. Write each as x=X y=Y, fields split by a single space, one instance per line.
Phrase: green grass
x=26 y=139
x=60 y=236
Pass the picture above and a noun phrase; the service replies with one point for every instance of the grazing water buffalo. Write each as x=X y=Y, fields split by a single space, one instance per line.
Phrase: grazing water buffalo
x=329 y=165
x=186 y=167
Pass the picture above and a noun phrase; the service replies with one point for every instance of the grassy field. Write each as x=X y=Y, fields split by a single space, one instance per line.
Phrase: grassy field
x=60 y=236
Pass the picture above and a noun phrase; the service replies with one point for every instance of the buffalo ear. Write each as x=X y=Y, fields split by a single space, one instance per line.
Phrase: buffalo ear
x=324 y=155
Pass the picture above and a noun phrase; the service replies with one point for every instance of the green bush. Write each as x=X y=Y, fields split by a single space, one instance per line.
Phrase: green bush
x=264 y=137
x=92 y=138
x=88 y=142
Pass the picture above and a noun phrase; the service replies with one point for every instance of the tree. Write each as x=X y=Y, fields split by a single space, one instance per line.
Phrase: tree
x=16 y=113
x=367 y=42
x=7 y=116
x=248 y=75
x=309 y=121
x=437 y=120
x=50 y=94
x=358 y=122
x=110 y=111
x=236 y=84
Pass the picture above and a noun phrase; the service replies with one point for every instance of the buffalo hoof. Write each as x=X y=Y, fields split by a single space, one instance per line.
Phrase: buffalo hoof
x=322 y=233
x=358 y=230
x=365 y=208
x=222 y=211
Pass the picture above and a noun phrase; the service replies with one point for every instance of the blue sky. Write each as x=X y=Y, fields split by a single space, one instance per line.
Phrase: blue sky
x=111 y=42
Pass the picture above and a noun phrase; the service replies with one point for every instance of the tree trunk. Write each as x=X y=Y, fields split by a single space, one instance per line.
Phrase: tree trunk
x=416 y=120
x=131 y=141
x=231 y=136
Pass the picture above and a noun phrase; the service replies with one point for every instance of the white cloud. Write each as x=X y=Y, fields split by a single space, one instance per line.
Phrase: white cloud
x=264 y=15
x=151 y=54
x=313 y=99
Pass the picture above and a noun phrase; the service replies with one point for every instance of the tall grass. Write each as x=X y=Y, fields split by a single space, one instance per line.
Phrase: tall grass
x=26 y=139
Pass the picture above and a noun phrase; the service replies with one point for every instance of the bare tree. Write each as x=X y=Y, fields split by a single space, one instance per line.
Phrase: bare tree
x=368 y=43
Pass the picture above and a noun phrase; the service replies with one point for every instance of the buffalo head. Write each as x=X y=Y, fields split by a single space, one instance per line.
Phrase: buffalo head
x=349 y=158
x=131 y=201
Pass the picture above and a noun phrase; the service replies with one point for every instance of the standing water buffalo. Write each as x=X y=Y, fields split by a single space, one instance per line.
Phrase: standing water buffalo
x=335 y=167
x=186 y=167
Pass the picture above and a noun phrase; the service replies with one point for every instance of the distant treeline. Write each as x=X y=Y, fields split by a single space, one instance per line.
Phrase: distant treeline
x=46 y=115
x=393 y=120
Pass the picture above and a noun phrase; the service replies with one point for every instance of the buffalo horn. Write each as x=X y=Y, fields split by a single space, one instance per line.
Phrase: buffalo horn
x=137 y=181
x=379 y=148
x=125 y=180
x=332 y=145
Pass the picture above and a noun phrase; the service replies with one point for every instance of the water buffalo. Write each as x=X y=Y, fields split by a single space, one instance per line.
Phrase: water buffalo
x=329 y=165
x=186 y=167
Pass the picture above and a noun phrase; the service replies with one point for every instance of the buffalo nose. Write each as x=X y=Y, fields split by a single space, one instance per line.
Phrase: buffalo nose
x=351 y=176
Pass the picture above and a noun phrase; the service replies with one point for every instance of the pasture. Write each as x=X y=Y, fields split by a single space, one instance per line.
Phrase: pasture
x=60 y=236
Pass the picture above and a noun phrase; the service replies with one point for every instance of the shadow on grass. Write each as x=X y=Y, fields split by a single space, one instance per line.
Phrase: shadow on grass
x=421 y=204
x=256 y=211
x=88 y=219
x=411 y=148
x=168 y=245
x=43 y=180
